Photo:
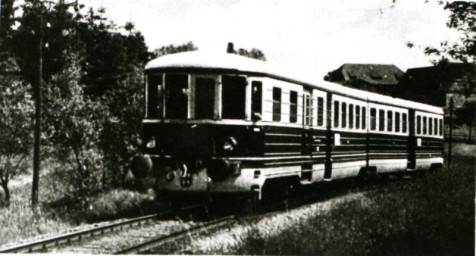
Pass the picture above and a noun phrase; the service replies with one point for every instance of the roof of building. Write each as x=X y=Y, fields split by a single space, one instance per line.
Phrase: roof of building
x=373 y=74
x=439 y=73
x=233 y=62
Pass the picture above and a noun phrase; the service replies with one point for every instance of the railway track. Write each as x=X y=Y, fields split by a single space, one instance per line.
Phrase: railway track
x=74 y=238
x=157 y=244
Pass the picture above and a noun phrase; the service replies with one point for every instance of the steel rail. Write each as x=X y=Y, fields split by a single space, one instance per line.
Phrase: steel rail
x=55 y=241
x=162 y=240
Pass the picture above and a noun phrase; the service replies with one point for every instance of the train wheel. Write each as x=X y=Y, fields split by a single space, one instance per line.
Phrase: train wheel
x=252 y=204
x=287 y=200
x=434 y=169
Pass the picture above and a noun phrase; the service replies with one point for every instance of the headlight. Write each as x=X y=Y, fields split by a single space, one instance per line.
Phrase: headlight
x=151 y=143
x=230 y=144
x=169 y=175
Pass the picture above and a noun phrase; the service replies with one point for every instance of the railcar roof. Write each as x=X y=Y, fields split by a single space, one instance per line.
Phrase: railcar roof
x=206 y=60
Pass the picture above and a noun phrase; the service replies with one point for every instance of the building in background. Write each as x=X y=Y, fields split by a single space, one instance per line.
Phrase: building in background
x=379 y=78
x=436 y=85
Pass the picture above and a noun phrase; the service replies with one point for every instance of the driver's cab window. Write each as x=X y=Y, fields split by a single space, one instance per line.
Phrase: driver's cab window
x=176 y=96
x=204 y=97
x=154 y=96
x=233 y=97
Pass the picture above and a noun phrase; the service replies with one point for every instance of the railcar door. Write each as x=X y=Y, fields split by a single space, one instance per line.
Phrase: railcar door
x=412 y=141
x=307 y=122
x=329 y=139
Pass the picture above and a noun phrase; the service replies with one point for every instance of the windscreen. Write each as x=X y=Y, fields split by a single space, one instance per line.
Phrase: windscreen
x=233 y=97
x=204 y=98
x=154 y=96
x=176 y=96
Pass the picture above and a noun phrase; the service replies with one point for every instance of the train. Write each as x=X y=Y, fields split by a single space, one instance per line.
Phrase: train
x=219 y=125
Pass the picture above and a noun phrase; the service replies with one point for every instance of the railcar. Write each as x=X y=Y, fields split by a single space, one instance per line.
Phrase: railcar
x=222 y=124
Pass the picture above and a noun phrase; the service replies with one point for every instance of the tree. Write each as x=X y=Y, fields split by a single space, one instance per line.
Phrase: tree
x=75 y=124
x=6 y=22
x=109 y=61
x=467 y=115
x=119 y=141
x=463 y=19
x=16 y=110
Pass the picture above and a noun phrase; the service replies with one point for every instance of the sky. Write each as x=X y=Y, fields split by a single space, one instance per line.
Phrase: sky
x=308 y=37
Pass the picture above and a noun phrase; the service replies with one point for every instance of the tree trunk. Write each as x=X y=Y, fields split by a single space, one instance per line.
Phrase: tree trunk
x=470 y=131
x=6 y=201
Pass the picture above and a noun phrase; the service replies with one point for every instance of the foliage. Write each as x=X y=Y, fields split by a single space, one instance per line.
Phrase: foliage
x=74 y=126
x=16 y=109
x=463 y=19
x=66 y=27
x=118 y=203
x=467 y=113
x=19 y=223
x=253 y=53
x=171 y=49
x=119 y=141
x=92 y=73
x=6 y=21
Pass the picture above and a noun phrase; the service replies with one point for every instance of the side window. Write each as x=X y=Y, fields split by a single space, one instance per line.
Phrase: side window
x=357 y=117
x=176 y=96
x=418 y=126
x=381 y=120
x=256 y=100
x=397 y=121
x=425 y=123
x=276 y=104
x=435 y=126
x=389 y=121
x=204 y=98
x=293 y=96
x=441 y=127
x=430 y=126
x=351 y=116
x=404 y=122
x=233 y=97
x=320 y=111
x=373 y=119
x=154 y=96
x=307 y=109
x=336 y=113
x=344 y=115
x=364 y=118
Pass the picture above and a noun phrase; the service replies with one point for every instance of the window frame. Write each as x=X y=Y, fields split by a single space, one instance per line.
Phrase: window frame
x=389 y=121
x=293 y=106
x=320 y=111
x=373 y=119
x=351 y=116
x=397 y=121
x=277 y=103
x=336 y=113
x=381 y=120
x=344 y=115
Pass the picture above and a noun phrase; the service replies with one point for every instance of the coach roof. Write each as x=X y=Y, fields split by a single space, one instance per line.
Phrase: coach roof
x=206 y=60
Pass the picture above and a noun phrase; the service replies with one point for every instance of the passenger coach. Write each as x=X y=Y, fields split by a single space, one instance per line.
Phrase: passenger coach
x=221 y=123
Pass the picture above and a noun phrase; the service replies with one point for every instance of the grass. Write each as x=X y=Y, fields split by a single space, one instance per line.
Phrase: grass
x=433 y=215
x=119 y=203
x=19 y=222
x=57 y=213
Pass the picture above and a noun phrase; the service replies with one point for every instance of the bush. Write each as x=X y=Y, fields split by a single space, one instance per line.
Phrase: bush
x=118 y=203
